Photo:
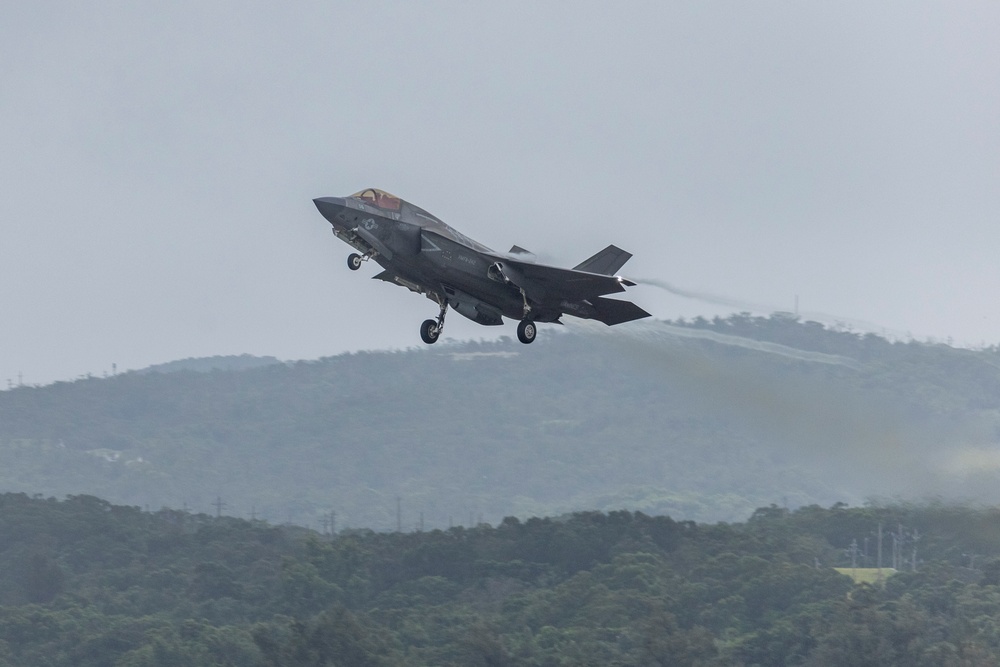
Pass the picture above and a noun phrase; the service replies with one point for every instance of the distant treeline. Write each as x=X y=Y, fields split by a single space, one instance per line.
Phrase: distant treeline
x=86 y=583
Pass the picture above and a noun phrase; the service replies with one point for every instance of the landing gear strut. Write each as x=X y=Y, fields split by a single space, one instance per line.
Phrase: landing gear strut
x=431 y=330
x=526 y=331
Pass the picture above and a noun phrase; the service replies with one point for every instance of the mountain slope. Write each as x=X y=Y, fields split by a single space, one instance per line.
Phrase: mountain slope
x=703 y=420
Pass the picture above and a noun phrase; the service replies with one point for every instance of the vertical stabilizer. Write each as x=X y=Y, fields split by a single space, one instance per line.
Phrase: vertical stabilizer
x=607 y=262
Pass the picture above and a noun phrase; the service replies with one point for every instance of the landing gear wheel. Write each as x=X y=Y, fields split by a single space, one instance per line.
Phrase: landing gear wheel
x=354 y=261
x=526 y=331
x=429 y=331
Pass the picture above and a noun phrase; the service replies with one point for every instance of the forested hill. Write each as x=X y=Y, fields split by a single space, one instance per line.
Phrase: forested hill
x=701 y=420
x=84 y=583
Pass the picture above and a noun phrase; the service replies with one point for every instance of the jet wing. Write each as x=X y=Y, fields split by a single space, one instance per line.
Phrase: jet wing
x=556 y=282
x=570 y=290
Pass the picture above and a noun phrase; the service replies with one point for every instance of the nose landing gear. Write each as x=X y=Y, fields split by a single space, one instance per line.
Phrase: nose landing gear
x=354 y=260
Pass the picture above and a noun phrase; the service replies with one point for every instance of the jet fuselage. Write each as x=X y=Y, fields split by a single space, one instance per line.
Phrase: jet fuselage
x=420 y=252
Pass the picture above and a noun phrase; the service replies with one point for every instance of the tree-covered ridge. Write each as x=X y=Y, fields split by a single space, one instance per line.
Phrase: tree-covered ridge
x=633 y=417
x=230 y=362
x=84 y=582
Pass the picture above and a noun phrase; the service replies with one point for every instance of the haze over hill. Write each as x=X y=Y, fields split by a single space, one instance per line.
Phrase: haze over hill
x=701 y=420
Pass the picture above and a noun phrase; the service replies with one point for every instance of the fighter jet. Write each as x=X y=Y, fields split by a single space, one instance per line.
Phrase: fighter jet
x=422 y=253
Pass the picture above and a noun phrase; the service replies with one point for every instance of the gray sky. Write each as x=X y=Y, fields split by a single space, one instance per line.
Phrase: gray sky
x=158 y=161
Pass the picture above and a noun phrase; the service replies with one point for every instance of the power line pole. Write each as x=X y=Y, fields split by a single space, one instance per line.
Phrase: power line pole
x=853 y=551
x=218 y=504
x=399 y=515
x=902 y=543
x=880 y=551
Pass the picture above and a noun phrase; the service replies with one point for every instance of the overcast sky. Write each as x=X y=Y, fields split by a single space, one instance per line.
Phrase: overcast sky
x=158 y=162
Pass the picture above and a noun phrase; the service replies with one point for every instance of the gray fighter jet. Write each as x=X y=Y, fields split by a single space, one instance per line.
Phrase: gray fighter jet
x=422 y=253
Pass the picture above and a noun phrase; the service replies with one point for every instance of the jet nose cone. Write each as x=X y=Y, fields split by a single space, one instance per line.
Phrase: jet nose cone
x=329 y=206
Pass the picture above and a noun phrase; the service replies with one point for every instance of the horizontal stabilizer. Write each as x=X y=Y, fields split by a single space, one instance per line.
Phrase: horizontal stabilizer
x=613 y=311
x=607 y=262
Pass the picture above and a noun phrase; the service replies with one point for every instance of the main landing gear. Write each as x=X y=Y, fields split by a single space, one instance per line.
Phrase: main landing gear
x=431 y=330
x=526 y=331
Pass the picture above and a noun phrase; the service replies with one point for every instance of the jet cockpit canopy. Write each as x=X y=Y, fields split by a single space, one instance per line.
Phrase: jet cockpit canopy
x=378 y=198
